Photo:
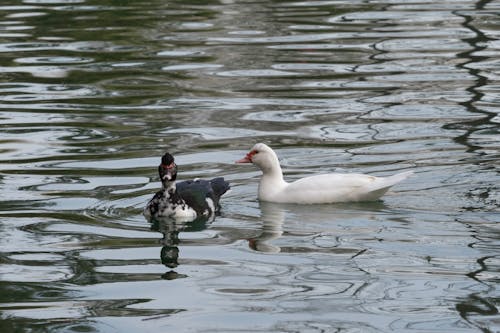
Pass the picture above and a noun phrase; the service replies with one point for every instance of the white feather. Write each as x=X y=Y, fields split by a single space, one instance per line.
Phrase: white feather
x=327 y=188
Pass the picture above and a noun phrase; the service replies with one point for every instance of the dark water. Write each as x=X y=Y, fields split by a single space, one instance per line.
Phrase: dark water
x=94 y=91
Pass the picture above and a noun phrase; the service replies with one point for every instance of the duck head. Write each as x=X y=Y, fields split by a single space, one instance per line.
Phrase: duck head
x=167 y=170
x=263 y=157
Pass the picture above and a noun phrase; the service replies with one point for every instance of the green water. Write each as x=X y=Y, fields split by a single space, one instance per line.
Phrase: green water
x=92 y=93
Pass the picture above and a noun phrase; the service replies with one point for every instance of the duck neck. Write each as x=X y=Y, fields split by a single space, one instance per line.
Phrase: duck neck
x=169 y=186
x=272 y=180
x=171 y=193
x=273 y=172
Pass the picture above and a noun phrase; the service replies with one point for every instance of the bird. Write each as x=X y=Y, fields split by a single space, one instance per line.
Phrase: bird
x=318 y=189
x=186 y=200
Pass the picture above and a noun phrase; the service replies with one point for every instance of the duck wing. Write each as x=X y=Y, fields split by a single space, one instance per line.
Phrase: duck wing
x=203 y=195
x=338 y=187
x=219 y=186
x=194 y=193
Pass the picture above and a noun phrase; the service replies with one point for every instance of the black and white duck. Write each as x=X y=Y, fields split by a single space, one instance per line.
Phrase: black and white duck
x=185 y=200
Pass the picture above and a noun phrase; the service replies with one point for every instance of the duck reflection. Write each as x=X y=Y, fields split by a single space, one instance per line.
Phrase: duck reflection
x=273 y=216
x=170 y=229
x=318 y=217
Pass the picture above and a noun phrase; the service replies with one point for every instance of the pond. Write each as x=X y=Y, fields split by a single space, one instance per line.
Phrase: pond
x=93 y=92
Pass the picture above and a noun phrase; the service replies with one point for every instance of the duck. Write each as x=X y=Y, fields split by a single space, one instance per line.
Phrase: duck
x=317 y=189
x=186 y=200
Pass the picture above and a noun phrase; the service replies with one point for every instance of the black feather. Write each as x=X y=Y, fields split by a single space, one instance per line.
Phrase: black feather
x=192 y=194
x=195 y=193
x=167 y=159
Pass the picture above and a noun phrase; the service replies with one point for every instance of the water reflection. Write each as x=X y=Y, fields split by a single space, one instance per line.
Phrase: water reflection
x=273 y=217
x=296 y=220
x=362 y=86
x=171 y=229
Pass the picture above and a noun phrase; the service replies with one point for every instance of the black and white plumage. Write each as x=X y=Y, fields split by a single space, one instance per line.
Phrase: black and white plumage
x=186 y=200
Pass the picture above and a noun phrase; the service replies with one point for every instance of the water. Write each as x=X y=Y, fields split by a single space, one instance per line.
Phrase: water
x=93 y=92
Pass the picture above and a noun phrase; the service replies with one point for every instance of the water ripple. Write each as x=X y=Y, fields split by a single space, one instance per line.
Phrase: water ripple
x=88 y=108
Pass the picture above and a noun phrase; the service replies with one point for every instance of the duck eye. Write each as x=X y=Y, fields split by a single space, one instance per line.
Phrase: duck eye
x=252 y=154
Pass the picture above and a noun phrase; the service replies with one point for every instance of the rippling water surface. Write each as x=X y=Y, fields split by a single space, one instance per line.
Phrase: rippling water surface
x=92 y=93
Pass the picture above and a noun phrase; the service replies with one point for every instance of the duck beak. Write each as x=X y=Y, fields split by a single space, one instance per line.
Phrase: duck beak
x=168 y=172
x=245 y=159
x=248 y=157
x=167 y=176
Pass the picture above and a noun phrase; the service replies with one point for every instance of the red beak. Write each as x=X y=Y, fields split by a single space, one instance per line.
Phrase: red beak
x=247 y=158
x=244 y=160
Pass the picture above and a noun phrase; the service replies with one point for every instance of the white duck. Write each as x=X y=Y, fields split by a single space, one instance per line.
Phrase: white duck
x=320 y=189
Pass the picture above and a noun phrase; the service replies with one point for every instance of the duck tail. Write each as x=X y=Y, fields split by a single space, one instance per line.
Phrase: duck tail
x=391 y=180
x=383 y=184
x=219 y=186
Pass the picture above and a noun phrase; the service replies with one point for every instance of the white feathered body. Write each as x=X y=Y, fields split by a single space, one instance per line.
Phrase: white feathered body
x=320 y=189
x=327 y=188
